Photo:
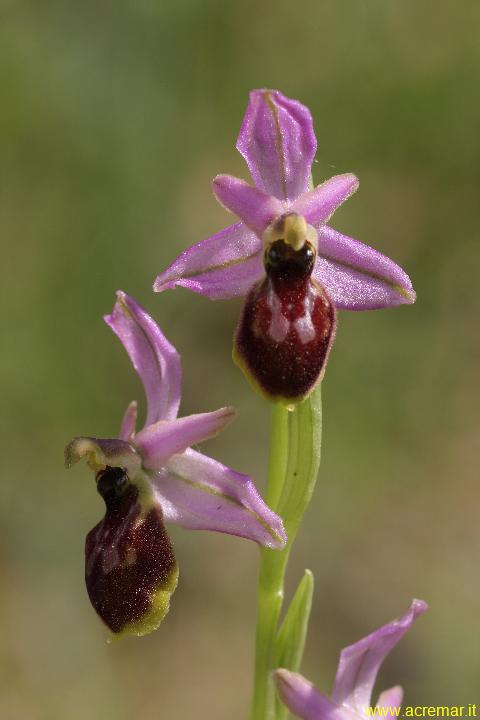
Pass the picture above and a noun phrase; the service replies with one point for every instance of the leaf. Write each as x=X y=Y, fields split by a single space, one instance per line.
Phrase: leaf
x=291 y=637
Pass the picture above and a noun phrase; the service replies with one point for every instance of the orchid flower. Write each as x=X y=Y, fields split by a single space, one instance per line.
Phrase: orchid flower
x=293 y=267
x=355 y=679
x=153 y=475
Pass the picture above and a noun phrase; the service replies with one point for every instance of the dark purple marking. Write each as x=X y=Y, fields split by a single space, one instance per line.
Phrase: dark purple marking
x=287 y=325
x=128 y=557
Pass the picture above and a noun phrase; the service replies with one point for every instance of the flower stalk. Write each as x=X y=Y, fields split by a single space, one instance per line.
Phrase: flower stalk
x=293 y=468
x=295 y=272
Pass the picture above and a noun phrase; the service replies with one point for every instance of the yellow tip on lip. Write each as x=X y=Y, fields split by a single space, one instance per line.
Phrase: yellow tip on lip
x=156 y=614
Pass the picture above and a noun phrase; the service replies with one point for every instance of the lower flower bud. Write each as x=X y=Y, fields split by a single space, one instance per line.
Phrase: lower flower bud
x=130 y=567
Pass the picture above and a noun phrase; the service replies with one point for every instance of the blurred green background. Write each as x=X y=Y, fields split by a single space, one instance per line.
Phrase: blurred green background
x=114 y=117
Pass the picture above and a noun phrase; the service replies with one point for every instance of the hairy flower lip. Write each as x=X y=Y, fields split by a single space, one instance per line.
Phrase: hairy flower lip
x=355 y=679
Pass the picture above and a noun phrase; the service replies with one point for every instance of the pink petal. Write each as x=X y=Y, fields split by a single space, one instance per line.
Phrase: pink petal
x=160 y=441
x=304 y=701
x=318 y=205
x=199 y=493
x=356 y=276
x=391 y=699
x=253 y=206
x=278 y=143
x=129 y=422
x=153 y=357
x=222 y=266
x=360 y=663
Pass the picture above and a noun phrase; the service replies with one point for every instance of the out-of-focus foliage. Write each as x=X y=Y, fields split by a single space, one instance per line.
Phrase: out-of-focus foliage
x=113 y=119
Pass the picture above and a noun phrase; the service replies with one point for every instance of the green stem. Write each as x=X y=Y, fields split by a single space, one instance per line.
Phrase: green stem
x=293 y=468
x=270 y=599
x=278 y=458
x=272 y=571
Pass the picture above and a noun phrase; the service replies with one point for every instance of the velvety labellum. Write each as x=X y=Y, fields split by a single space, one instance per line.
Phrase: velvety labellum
x=287 y=326
x=130 y=567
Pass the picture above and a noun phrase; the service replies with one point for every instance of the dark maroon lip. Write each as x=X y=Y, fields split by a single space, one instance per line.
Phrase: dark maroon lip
x=128 y=555
x=285 y=334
